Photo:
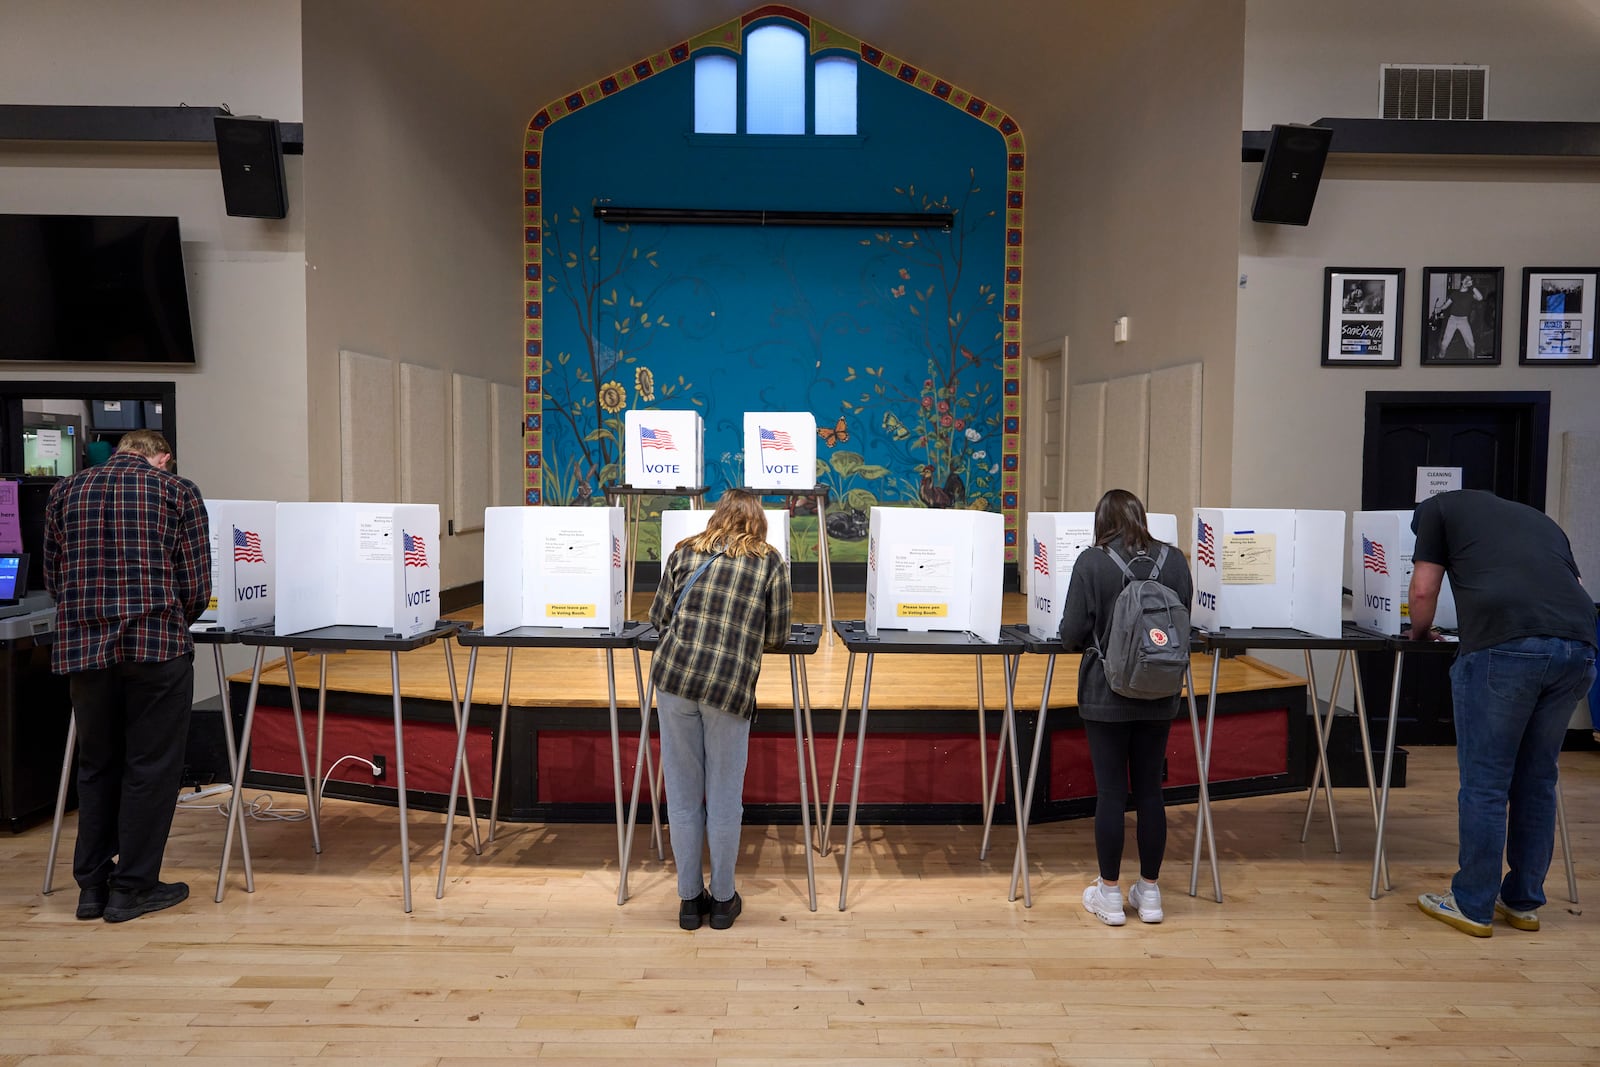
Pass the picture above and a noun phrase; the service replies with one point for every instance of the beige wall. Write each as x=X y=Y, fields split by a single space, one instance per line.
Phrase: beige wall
x=413 y=226
x=1133 y=204
x=1309 y=59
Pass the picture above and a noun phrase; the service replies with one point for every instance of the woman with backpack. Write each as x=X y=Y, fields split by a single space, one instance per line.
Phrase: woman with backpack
x=723 y=598
x=1127 y=735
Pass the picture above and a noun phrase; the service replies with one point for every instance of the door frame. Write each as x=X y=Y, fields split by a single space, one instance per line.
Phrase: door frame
x=1535 y=403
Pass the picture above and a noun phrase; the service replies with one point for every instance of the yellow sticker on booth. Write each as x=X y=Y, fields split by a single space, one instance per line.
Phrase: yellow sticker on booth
x=921 y=611
x=570 y=611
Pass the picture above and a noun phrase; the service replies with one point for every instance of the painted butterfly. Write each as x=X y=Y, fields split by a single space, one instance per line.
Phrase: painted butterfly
x=836 y=436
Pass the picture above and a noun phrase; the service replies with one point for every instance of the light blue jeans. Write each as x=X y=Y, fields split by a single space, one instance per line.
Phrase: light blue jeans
x=1512 y=706
x=703 y=756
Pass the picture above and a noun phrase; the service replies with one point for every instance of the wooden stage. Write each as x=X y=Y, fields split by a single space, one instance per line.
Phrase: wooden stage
x=925 y=729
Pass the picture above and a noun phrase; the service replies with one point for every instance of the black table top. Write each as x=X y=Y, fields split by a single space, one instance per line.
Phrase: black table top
x=853 y=633
x=804 y=640
x=1286 y=638
x=646 y=490
x=210 y=634
x=1052 y=646
x=556 y=637
x=345 y=638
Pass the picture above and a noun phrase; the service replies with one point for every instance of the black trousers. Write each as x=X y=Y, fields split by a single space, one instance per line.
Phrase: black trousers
x=133 y=730
x=1128 y=755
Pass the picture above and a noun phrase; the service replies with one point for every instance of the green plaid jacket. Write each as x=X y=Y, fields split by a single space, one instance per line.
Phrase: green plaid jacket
x=710 y=651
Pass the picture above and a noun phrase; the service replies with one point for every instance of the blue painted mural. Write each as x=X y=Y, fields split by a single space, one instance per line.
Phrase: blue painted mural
x=901 y=341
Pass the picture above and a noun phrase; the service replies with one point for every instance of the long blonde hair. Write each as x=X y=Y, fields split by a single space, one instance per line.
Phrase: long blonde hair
x=738 y=527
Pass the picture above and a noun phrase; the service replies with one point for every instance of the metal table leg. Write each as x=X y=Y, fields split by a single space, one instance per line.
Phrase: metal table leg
x=400 y=779
x=855 y=786
x=838 y=752
x=1205 y=829
x=1388 y=769
x=1322 y=747
x=313 y=786
x=499 y=737
x=1324 y=726
x=61 y=803
x=797 y=669
x=455 y=778
x=236 y=809
x=1033 y=769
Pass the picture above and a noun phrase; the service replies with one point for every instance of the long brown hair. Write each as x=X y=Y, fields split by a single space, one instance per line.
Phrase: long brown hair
x=738 y=527
x=1120 y=516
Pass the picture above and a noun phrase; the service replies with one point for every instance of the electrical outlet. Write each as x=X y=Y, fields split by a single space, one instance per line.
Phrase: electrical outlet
x=380 y=765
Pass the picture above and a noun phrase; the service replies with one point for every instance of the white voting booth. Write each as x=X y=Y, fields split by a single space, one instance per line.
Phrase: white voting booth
x=553 y=566
x=663 y=449
x=1259 y=567
x=935 y=570
x=347 y=564
x=1381 y=548
x=1055 y=541
x=676 y=525
x=243 y=542
x=780 y=450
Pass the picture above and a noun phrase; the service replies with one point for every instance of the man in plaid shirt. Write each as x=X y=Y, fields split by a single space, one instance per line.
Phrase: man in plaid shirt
x=127 y=557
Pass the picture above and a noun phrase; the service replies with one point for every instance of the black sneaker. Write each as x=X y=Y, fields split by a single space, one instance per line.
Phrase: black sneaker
x=126 y=904
x=692 y=911
x=92 y=901
x=723 y=912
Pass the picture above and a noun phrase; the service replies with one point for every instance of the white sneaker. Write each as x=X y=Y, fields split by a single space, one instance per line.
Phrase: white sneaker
x=1104 y=904
x=1146 y=896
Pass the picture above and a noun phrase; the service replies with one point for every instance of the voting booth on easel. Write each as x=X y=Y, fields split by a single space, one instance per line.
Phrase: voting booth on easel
x=1381 y=549
x=243 y=554
x=676 y=525
x=1055 y=541
x=1259 y=567
x=357 y=565
x=933 y=570
x=663 y=449
x=554 y=566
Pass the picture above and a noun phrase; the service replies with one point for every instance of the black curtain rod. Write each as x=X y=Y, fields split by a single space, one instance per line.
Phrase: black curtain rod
x=724 y=217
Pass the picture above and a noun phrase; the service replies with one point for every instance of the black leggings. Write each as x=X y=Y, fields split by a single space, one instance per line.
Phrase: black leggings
x=1127 y=753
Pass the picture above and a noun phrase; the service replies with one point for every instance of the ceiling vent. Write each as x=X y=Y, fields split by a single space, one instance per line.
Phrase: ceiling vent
x=1433 y=92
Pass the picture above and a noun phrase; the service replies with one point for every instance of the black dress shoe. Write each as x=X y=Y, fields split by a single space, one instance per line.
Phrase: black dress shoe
x=92 y=901
x=723 y=912
x=692 y=911
x=126 y=904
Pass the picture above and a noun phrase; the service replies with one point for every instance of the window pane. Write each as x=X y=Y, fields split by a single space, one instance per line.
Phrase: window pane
x=716 y=94
x=836 y=94
x=776 y=74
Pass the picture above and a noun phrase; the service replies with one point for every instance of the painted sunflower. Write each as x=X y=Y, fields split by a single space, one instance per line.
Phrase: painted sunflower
x=644 y=384
x=613 y=397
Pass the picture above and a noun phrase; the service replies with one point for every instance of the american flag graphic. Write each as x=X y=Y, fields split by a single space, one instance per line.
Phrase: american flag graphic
x=247 y=547
x=775 y=441
x=649 y=438
x=1372 y=556
x=416 y=550
x=1041 y=558
x=616 y=552
x=1205 y=544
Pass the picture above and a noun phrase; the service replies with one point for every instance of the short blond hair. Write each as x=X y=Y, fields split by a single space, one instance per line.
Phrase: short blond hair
x=146 y=443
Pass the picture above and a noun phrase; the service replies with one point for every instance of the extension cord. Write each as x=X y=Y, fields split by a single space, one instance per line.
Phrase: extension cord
x=209 y=791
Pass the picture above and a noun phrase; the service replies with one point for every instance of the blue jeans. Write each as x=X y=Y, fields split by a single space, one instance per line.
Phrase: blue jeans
x=1512 y=706
x=703 y=755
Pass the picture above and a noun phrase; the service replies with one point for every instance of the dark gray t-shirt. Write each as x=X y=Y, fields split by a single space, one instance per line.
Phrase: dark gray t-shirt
x=1511 y=569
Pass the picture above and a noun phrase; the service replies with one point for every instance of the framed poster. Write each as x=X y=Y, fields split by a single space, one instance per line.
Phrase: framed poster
x=1558 y=315
x=1461 y=315
x=1361 y=316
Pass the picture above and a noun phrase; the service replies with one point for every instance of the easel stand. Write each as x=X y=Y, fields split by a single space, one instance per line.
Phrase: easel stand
x=216 y=638
x=538 y=637
x=322 y=641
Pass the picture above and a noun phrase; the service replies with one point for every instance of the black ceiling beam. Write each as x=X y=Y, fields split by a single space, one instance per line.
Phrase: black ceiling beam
x=51 y=122
x=696 y=216
x=1444 y=137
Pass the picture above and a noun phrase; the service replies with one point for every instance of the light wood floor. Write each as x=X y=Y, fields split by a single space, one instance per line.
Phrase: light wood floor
x=528 y=956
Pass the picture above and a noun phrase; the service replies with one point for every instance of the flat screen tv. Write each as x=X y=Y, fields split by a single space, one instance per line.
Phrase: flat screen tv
x=93 y=289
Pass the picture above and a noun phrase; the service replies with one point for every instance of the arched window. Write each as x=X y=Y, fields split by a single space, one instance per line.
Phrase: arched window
x=836 y=95
x=775 y=88
x=716 y=94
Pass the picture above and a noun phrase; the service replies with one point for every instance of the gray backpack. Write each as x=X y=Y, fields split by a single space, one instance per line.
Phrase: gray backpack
x=1146 y=652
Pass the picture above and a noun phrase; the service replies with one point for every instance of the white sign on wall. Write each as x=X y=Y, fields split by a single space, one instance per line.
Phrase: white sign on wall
x=1431 y=481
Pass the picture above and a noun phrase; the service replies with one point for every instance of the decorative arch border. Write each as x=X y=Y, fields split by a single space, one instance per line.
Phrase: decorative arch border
x=730 y=36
